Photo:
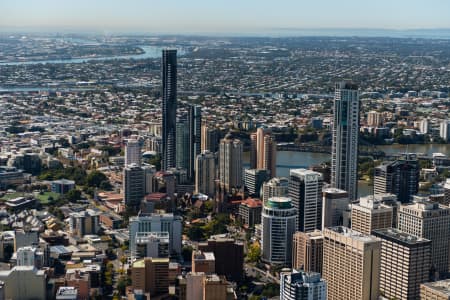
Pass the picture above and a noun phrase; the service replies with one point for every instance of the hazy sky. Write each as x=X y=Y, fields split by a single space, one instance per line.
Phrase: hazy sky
x=181 y=16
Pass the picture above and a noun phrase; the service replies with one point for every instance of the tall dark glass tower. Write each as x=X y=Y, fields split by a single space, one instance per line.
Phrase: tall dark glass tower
x=195 y=131
x=169 y=108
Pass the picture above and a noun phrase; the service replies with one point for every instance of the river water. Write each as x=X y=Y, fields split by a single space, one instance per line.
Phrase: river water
x=290 y=160
x=149 y=52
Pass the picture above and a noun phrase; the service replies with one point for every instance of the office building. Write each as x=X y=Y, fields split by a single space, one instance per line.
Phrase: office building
x=444 y=130
x=84 y=222
x=370 y=214
x=351 y=264
x=67 y=293
x=216 y=287
x=275 y=187
x=400 y=177
x=263 y=151
x=149 y=173
x=151 y=244
x=205 y=173
x=151 y=275
x=300 y=285
x=24 y=282
x=254 y=179
x=169 y=107
x=253 y=151
x=230 y=163
x=133 y=185
x=307 y=251
x=229 y=256
x=133 y=152
x=335 y=202
x=345 y=131
x=430 y=221
x=437 y=290
x=250 y=212
x=305 y=191
x=203 y=262
x=374 y=119
x=157 y=223
x=209 y=139
x=62 y=186
x=405 y=263
x=195 y=131
x=278 y=226
x=424 y=126
x=182 y=143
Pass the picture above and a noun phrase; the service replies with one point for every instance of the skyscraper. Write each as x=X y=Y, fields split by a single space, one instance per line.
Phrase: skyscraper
x=254 y=179
x=209 y=138
x=405 y=263
x=305 y=190
x=195 y=131
x=230 y=163
x=275 y=187
x=169 y=107
x=300 y=285
x=351 y=264
x=182 y=143
x=157 y=223
x=263 y=151
x=205 y=173
x=335 y=202
x=133 y=185
x=345 y=130
x=278 y=227
x=431 y=221
x=400 y=177
x=307 y=251
x=132 y=152
x=370 y=214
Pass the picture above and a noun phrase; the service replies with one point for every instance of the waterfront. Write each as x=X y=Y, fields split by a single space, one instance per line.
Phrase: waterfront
x=290 y=159
x=149 y=52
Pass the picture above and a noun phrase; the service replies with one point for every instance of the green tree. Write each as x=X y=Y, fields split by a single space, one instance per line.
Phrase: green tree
x=254 y=252
x=96 y=178
x=73 y=195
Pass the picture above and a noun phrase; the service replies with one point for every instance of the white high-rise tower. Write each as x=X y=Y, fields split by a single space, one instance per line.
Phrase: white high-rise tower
x=344 y=157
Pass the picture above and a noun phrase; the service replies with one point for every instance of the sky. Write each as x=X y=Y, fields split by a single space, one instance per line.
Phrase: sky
x=221 y=16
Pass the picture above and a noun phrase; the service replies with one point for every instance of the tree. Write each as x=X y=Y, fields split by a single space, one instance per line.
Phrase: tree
x=96 y=178
x=73 y=195
x=254 y=252
x=195 y=233
x=186 y=252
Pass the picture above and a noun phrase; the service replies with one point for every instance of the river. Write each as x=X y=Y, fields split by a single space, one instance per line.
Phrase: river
x=149 y=52
x=290 y=160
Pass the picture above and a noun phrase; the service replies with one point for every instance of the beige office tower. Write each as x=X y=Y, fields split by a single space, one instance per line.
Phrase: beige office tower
x=405 y=263
x=307 y=251
x=335 y=202
x=209 y=139
x=438 y=290
x=351 y=264
x=263 y=151
x=374 y=119
x=151 y=275
x=431 y=221
x=253 y=151
x=370 y=214
x=230 y=163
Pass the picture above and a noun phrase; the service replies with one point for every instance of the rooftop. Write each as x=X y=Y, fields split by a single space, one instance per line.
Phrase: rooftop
x=279 y=203
x=442 y=286
x=396 y=235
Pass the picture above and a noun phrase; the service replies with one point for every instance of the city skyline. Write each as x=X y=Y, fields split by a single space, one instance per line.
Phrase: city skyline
x=222 y=17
